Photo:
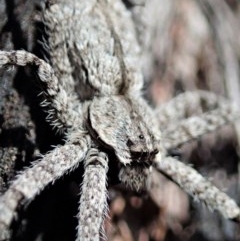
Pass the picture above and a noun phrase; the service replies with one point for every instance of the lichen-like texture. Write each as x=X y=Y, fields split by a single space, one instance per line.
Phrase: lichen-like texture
x=91 y=89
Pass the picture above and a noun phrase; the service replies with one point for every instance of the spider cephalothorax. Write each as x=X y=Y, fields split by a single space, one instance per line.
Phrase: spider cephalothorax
x=123 y=128
x=93 y=43
x=118 y=124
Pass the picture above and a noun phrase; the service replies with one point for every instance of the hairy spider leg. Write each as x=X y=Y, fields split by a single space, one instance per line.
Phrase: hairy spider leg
x=189 y=104
x=32 y=180
x=182 y=131
x=198 y=187
x=60 y=105
x=93 y=201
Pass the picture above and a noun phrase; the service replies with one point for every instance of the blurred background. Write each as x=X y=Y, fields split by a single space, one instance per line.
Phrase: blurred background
x=187 y=45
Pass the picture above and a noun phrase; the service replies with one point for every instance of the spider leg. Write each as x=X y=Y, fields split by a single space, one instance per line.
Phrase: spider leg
x=93 y=202
x=183 y=131
x=32 y=180
x=62 y=108
x=198 y=187
x=188 y=104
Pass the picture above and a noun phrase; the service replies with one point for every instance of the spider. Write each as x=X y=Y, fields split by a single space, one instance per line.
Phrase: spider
x=108 y=122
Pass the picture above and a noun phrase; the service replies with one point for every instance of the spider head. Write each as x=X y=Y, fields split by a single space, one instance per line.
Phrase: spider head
x=125 y=126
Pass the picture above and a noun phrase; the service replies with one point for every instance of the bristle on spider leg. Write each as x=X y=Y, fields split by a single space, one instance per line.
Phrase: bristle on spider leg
x=198 y=187
x=57 y=101
x=32 y=180
x=93 y=201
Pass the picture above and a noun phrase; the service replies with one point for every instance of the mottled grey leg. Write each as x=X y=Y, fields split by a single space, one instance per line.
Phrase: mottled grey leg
x=198 y=187
x=178 y=133
x=32 y=180
x=64 y=110
x=93 y=201
x=189 y=104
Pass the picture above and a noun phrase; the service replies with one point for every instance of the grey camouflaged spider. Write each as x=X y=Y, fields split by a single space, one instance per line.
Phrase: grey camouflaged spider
x=108 y=121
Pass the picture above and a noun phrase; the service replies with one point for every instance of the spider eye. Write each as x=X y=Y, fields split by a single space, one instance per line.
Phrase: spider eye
x=141 y=137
